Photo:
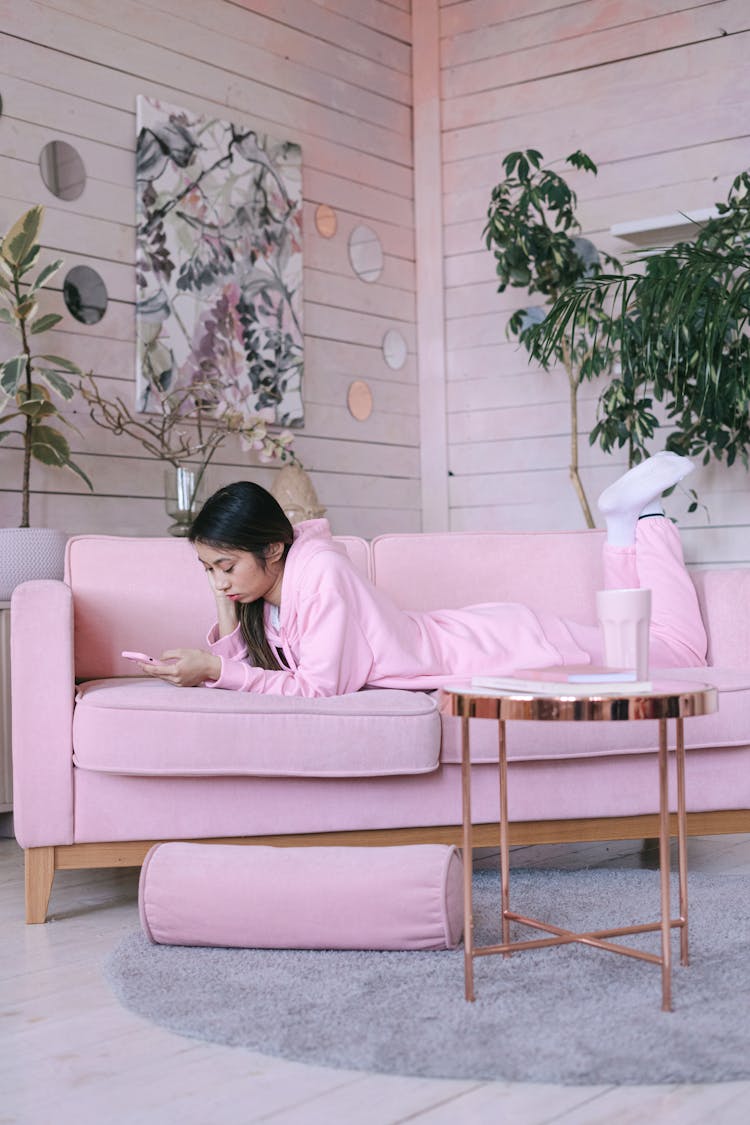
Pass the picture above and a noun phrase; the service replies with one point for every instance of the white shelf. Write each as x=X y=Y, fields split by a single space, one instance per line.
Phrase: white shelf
x=665 y=227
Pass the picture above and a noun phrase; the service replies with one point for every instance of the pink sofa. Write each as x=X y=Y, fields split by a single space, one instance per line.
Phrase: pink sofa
x=107 y=763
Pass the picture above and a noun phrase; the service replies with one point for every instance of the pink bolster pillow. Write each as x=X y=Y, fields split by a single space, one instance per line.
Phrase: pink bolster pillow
x=408 y=897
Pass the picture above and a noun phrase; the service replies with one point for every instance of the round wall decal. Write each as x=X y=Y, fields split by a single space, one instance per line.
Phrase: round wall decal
x=62 y=169
x=365 y=253
x=359 y=400
x=394 y=349
x=326 y=222
x=85 y=294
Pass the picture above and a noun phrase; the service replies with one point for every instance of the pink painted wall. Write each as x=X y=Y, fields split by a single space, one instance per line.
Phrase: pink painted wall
x=336 y=78
x=655 y=90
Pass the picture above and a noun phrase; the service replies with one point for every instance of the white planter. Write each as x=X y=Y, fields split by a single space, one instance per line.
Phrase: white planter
x=29 y=552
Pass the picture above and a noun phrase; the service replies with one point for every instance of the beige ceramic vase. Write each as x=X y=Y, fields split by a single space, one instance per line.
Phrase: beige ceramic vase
x=295 y=493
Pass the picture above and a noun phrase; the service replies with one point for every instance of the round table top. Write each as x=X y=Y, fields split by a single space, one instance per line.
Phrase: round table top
x=667 y=699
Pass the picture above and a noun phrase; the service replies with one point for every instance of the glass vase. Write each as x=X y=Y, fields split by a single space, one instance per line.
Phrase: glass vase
x=184 y=493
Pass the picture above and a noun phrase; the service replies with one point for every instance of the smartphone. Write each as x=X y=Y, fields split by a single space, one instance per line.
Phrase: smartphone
x=142 y=656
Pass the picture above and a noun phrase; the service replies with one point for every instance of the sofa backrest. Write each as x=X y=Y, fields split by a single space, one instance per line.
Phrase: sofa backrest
x=549 y=571
x=145 y=595
x=151 y=594
x=724 y=597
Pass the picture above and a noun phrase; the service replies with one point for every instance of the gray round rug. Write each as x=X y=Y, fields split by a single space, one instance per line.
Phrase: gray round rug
x=569 y=1015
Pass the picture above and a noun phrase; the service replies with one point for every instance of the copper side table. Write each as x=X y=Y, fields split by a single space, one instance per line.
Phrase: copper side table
x=667 y=700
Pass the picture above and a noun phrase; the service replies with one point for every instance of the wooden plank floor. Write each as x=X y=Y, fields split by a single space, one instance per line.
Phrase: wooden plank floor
x=71 y=1053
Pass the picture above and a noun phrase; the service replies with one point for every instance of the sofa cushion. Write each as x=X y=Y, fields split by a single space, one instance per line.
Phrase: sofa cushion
x=407 y=897
x=143 y=726
x=543 y=741
x=447 y=570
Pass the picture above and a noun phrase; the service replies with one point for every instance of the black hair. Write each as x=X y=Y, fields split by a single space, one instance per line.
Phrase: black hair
x=245 y=517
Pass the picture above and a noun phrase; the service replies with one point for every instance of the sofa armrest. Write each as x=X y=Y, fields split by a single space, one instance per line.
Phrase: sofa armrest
x=42 y=694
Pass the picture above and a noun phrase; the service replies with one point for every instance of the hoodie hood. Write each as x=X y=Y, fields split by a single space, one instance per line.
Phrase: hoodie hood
x=311 y=538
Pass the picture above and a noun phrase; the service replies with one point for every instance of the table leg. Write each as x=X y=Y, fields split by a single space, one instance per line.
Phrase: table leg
x=504 y=833
x=666 y=950
x=682 y=839
x=468 y=860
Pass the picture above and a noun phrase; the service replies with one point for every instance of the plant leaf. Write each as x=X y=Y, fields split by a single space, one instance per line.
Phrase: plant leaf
x=50 y=447
x=12 y=372
x=21 y=237
x=30 y=260
x=37 y=408
x=79 y=472
x=44 y=275
x=26 y=308
x=61 y=364
x=6 y=316
x=49 y=320
x=58 y=383
x=39 y=391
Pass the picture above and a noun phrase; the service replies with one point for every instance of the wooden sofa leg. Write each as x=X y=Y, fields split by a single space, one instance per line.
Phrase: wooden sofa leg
x=40 y=871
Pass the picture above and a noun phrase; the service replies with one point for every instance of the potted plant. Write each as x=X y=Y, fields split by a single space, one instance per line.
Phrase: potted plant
x=31 y=384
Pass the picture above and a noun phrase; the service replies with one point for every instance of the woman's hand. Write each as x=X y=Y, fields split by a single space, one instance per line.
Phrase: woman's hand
x=185 y=667
x=226 y=610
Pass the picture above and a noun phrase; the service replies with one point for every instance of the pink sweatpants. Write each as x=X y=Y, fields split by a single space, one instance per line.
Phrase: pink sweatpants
x=678 y=638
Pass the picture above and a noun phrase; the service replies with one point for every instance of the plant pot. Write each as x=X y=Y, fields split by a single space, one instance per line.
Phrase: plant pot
x=29 y=552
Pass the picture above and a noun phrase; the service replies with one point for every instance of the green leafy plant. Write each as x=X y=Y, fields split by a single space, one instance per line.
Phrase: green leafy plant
x=29 y=379
x=531 y=230
x=680 y=329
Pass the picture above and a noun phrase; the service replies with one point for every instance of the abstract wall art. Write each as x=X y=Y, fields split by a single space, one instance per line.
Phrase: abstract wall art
x=218 y=263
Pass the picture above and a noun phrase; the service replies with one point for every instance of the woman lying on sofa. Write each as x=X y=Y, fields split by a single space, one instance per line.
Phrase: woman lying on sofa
x=294 y=616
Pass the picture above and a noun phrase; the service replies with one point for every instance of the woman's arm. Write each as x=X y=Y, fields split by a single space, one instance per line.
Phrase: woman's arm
x=334 y=655
x=185 y=667
x=190 y=667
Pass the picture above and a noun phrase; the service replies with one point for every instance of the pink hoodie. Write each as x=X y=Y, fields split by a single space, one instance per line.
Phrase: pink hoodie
x=339 y=633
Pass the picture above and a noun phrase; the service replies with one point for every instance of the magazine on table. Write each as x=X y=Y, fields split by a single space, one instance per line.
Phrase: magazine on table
x=567 y=679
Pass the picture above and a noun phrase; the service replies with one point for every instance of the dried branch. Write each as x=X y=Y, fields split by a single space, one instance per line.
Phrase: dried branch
x=192 y=423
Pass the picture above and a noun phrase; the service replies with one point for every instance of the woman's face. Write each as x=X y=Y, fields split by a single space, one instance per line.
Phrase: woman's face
x=240 y=576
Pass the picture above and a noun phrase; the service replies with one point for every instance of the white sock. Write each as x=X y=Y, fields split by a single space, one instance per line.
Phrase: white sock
x=637 y=493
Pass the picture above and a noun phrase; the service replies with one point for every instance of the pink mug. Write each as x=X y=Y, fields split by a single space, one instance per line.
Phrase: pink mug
x=624 y=619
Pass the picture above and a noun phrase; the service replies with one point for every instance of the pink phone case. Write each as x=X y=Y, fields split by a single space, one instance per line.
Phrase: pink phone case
x=140 y=656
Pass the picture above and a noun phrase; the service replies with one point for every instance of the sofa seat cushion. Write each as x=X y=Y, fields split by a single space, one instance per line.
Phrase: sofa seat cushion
x=142 y=726
x=545 y=741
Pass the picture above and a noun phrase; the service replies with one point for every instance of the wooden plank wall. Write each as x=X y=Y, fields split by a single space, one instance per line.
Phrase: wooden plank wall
x=333 y=76
x=657 y=92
